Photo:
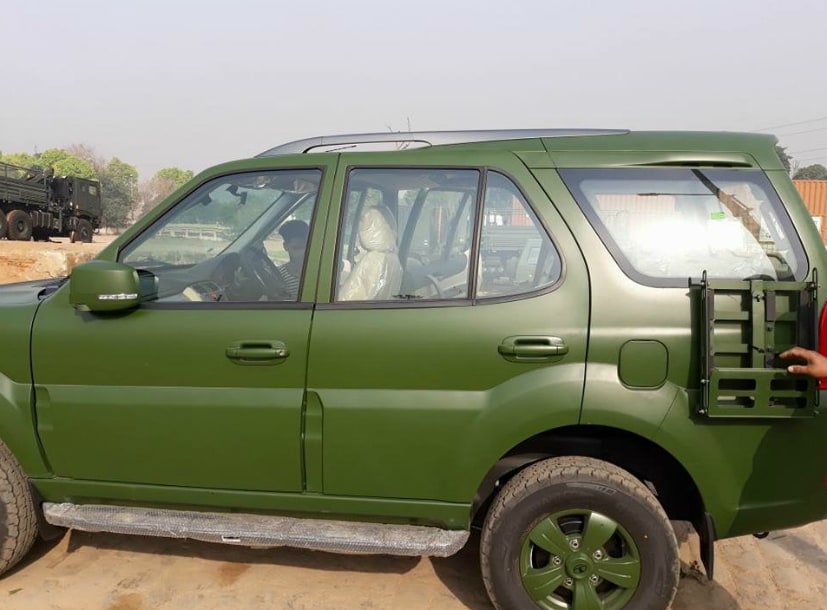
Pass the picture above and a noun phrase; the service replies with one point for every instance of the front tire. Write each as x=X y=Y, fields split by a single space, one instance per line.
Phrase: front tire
x=18 y=519
x=575 y=532
x=83 y=232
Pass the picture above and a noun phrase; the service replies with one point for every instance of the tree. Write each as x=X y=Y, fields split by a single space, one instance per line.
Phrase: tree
x=88 y=154
x=72 y=166
x=811 y=172
x=51 y=156
x=786 y=160
x=62 y=162
x=164 y=182
x=19 y=159
x=175 y=175
x=65 y=163
x=119 y=193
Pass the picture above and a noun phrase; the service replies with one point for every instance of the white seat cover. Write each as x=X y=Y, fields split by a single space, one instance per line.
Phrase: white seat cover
x=376 y=274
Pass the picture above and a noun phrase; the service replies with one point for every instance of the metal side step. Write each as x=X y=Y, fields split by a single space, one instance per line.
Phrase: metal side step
x=259 y=530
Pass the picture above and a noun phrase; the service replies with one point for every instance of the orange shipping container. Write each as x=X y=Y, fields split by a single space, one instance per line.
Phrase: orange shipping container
x=814 y=194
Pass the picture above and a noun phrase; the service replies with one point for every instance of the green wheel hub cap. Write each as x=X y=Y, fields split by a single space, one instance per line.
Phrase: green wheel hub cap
x=579 y=559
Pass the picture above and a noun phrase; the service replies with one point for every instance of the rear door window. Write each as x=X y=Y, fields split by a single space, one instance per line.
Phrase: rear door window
x=664 y=225
x=408 y=234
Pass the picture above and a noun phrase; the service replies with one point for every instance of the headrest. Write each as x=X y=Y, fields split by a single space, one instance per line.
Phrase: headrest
x=377 y=230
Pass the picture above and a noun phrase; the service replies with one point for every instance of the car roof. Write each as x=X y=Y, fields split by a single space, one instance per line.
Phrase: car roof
x=430 y=138
x=568 y=147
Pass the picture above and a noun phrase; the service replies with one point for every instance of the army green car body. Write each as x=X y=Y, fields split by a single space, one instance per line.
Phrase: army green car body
x=407 y=413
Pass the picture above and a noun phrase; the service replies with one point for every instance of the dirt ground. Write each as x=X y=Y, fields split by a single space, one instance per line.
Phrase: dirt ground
x=81 y=571
x=21 y=261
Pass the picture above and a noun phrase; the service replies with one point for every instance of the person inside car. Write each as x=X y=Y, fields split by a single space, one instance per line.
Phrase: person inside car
x=294 y=235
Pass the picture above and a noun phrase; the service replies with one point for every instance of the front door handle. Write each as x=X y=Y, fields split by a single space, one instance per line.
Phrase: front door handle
x=259 y=353
x=532 y=348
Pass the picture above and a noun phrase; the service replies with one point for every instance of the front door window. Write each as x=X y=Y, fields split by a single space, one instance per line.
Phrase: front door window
x=238 y=238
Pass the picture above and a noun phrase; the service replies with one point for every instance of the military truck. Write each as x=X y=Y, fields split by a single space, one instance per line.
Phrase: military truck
x=34 y=203
x=562 y=340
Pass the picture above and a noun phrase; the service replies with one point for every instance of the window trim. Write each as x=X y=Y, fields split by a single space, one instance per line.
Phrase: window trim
x=246 y=305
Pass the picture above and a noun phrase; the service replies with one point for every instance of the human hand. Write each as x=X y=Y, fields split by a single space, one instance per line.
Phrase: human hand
x=816 y=364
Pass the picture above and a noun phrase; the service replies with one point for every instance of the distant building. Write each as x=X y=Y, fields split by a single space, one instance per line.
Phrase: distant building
x=814 y=194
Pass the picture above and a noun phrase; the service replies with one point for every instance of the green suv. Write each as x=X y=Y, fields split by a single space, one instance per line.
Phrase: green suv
x=565 y=338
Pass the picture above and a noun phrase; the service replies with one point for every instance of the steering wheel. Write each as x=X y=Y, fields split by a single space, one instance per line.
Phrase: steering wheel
x=264 y=274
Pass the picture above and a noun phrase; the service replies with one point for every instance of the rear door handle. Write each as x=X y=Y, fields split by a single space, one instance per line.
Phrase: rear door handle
x=261 y=353
x=532 y=348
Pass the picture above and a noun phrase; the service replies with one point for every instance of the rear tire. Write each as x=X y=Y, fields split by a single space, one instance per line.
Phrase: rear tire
x=575 y=532
x=3 y=225
x=18 y=519
x=20 y=225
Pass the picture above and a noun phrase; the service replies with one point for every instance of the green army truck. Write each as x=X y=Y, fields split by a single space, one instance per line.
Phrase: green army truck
x=34 y=203
x=565 y=340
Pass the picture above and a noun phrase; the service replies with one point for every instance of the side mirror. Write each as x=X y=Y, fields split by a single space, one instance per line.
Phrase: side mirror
x=106 y=286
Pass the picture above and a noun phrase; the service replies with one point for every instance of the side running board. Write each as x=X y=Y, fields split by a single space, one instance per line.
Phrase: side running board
x=259 y=530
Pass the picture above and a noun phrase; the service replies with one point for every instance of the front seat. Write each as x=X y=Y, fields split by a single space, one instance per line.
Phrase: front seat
x=376 y=274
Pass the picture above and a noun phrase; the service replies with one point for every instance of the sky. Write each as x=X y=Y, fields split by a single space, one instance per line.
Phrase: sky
x=192 y=83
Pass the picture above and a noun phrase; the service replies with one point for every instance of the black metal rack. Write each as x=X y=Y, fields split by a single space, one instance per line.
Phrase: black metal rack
x=745 y=325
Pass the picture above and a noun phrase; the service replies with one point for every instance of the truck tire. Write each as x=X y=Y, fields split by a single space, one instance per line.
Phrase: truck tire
x=20 y=225
x=3 y=225
x=18 y=519
x=575 y=532
x=83 y=232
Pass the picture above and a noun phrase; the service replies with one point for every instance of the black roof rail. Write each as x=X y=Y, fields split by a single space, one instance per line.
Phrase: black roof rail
x=431 y=138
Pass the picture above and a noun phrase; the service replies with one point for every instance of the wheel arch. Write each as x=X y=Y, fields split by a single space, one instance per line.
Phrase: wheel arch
x=646 y=460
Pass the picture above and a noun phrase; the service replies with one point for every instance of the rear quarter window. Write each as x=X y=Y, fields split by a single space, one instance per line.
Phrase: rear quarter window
x=664 y=225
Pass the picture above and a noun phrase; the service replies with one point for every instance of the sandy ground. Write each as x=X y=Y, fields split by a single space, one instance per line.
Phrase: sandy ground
x=80 y=571
x=786 y=571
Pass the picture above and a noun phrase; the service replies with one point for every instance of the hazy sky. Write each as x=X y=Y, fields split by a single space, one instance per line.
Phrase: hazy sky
x=191 y=83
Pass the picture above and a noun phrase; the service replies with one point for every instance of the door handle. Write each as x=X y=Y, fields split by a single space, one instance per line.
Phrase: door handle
x=531 y=348
x=257 y=352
